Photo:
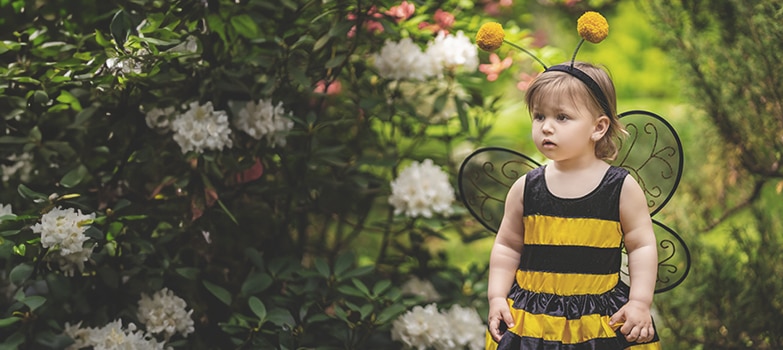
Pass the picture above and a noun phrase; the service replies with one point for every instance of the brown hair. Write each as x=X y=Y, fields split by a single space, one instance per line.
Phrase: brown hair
x=561 y=82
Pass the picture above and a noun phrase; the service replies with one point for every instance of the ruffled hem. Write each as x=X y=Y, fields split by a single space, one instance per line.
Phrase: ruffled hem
x=571 y=307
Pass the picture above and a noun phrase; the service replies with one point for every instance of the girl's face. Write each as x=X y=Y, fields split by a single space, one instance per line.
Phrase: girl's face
x=565 y=129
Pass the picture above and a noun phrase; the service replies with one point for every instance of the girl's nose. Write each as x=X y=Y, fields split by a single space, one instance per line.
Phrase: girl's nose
x=546 y=126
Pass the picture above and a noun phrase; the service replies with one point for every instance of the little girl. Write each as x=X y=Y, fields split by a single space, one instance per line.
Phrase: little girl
x=554 y=274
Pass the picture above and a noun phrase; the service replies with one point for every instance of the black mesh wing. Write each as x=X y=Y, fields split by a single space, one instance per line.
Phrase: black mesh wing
x=674 y=259
x=485 y=178
x=652 y=153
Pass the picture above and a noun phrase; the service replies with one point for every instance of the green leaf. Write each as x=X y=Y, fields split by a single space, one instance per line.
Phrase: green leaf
x=34 y=301
x=216 y=25
x=257 y=307
x=190 y=273
x=21 y=273
x=256 y=283
x=121 y=27
x=335 y=61
x=389 y=313
x=69 y=99
x=27 y=193
x=361 y=271
x=348 y=290
x=361 y=286
x=101 y=39
x=322 y=267
x=74 y=177
x=255 y=257
x=342 y=264
x=381 y=287
x=5 y=322
x=365 y=310
x=14 y=139
x=245 y=26
x=219 y=292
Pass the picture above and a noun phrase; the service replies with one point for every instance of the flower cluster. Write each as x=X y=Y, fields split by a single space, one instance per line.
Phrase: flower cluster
x=62 y=231
x=165 y=313
x=201 y=128
x=111 y=337
x=21 y=165
x=263 y=119
x=420 y=288
x=421 y=190
x=426 y=327
x=406 y=60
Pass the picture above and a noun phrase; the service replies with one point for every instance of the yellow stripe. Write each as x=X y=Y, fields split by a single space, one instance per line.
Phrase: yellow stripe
x=560 y=329
x=551 y=230
x=489 y=343
x=565 y=283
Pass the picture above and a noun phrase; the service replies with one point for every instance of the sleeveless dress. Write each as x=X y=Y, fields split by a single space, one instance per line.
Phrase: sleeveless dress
x=568 y=282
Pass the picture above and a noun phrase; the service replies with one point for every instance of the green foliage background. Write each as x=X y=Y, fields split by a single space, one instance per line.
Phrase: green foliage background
x=310 y=254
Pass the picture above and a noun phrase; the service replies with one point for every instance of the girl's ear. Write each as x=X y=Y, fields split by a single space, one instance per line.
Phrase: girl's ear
x=601 y=127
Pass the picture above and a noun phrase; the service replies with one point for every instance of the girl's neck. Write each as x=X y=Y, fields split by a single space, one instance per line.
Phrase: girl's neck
x=579 y=165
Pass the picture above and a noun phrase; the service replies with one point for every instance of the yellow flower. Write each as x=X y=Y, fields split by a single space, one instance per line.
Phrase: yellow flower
x=592 y=27
x=490 y=36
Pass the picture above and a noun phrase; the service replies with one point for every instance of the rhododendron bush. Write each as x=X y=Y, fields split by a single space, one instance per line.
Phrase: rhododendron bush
x=242 y=174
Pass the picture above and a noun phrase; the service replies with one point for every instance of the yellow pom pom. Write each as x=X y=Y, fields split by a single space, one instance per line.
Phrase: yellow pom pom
x=592 y=27
x=490 y=36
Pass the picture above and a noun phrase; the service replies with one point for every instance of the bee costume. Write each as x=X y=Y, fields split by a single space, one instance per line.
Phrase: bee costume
x=572 y=275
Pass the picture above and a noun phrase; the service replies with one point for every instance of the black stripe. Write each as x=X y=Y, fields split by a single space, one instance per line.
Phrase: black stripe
x=571 y=307
x=539 y=201
x=513 y=341
x=570 y=259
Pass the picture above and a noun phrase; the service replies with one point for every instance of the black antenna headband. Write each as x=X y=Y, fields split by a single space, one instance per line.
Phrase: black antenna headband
x=588 y=81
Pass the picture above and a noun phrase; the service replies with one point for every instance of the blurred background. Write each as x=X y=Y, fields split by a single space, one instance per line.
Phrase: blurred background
x=282 y=174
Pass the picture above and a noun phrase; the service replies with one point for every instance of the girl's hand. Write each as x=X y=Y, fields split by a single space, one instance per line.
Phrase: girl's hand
x=499 y=318
x=636 y=322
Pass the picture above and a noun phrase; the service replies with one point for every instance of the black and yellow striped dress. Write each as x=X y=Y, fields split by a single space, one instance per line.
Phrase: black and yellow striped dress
x=568 y=282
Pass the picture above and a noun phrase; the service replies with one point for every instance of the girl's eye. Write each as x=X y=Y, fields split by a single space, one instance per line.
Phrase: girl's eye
x=562 y=117
x=538 y=117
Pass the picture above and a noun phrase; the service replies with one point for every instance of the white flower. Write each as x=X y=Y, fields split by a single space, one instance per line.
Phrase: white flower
x=426 y=327
x=126 y=64
x=5 y=209
x=190 y=45
x=22 y=166
x=263 y=119
x=421 y=190
x=421 y=288
x=421 y=327
x=467 y=329
x=452 y=51
x=403 y=60
x=62 y=230
x=111 y=337
x=160 y=118
x=201 y=128
x=165 y=313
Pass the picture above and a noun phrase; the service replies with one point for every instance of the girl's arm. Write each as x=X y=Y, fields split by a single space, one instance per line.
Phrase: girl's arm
x=640 y=244
x=504 y=259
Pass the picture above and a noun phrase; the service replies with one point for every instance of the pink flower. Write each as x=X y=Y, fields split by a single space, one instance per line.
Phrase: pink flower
x=493 y=7
x=524 y=81
x=370 y=25
x=443 y=22
x=401 y=12
x=493 y=69
x=333 y=88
